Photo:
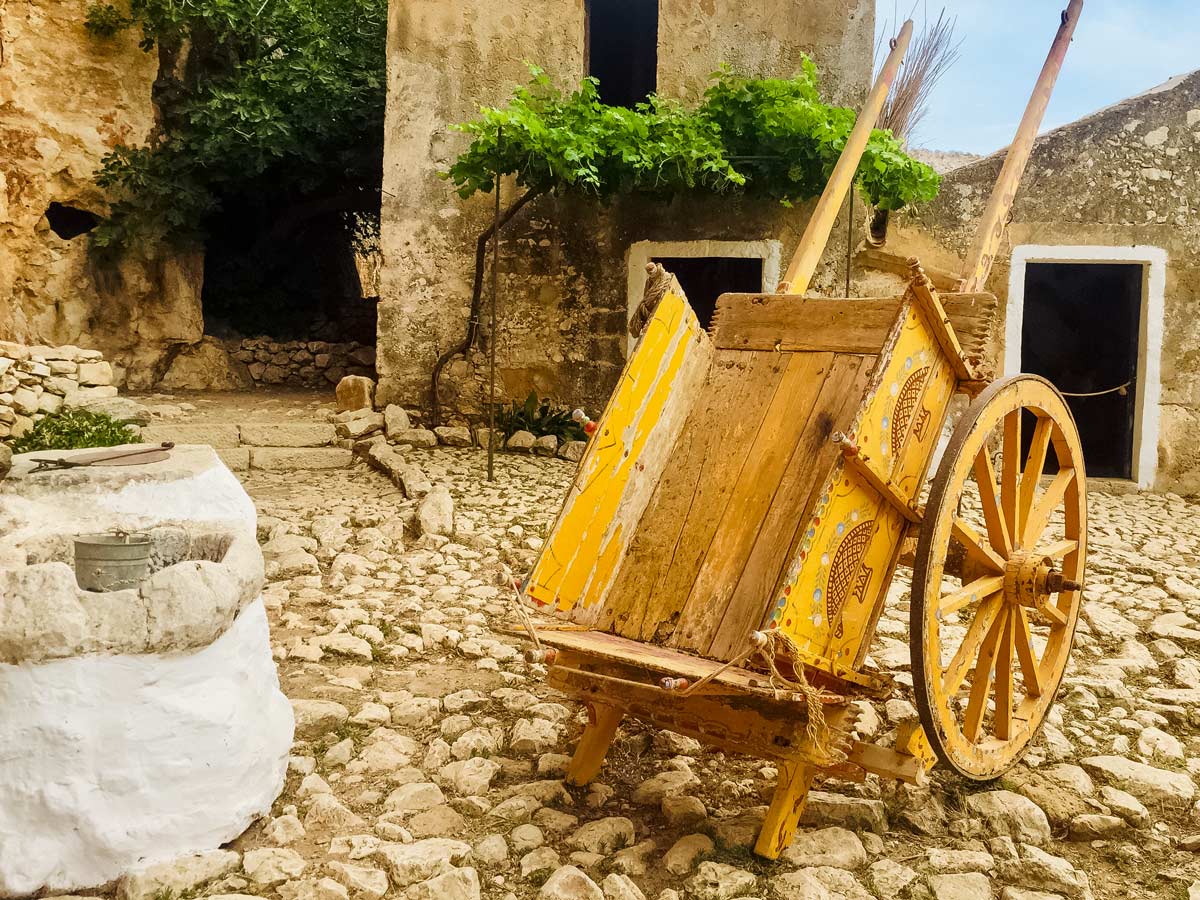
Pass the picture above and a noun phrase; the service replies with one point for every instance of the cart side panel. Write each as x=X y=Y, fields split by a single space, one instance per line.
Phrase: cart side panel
x=625 y=458
x=829 y=601
x=789 y=462
x=687 y=504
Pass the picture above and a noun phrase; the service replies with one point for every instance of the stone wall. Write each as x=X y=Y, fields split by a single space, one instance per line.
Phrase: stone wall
x=303 y=363
x=563 y=300
x=67 y=99
x=1126 y=176
x=36 y=380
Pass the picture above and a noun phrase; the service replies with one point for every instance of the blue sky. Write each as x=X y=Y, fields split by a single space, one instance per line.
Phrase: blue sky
x=1121 y=48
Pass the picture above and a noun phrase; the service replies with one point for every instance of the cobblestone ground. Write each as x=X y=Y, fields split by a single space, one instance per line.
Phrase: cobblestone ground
x=428 y=754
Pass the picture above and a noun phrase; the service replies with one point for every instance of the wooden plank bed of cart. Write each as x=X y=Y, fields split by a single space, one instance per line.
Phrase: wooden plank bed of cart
x=728 y=543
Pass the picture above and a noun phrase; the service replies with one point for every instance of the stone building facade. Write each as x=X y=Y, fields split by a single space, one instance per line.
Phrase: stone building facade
x=1099 y=276
x=570 y=269
x=67 y=98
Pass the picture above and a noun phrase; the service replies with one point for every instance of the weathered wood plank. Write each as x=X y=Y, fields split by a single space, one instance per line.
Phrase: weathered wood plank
x=894 y=263
x=620 y=469
x=676 y=529
x=791 y=322
x=854 y=325
x=778 y=539
x=975 y=319
x=754 y=488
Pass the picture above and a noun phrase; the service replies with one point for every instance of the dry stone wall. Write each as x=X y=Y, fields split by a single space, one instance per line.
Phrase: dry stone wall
x=38 y=380
x=303 y=363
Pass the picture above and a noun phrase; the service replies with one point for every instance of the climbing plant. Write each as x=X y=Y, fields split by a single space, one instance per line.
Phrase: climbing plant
x=768 y=137
x=280 y=95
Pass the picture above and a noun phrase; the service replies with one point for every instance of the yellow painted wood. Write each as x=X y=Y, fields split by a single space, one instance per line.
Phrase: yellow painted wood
x=593 y=745
x=625 y=457
x=833 y=593
x=787 y=805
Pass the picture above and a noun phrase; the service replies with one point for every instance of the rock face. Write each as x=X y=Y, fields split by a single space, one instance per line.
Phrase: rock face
x=152 y=725
x=70 y=98
x=355 y=392
x=206 y=366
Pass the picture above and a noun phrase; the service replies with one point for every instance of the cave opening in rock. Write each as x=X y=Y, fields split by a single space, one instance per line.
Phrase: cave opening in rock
x=289 y=285
x=70 y=221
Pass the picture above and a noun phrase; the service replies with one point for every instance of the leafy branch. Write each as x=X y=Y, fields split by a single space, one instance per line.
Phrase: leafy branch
x=767 y=137
x=286 y=95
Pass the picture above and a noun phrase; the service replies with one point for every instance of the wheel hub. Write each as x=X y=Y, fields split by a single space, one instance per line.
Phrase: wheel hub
x=1030 y=579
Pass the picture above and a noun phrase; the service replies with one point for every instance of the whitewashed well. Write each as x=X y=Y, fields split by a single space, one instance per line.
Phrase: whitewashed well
x=140 y=724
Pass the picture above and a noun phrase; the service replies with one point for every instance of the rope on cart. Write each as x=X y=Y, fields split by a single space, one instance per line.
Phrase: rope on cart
x=766 y=644
x=816 y=728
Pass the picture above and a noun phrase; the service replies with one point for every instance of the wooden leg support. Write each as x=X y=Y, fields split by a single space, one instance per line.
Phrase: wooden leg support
x=594 y=743
x=791 y=794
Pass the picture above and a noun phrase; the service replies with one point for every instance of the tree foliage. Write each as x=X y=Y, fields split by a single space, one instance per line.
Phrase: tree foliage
x=770 y=137
x=285 y=92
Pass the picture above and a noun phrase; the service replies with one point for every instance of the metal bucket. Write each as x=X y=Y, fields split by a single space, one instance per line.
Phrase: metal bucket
x=112 y=561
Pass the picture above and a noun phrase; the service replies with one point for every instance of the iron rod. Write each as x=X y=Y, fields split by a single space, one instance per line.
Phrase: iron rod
x=491 y=448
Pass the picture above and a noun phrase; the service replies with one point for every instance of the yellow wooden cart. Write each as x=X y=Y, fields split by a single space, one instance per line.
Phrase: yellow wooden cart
x=729 y=540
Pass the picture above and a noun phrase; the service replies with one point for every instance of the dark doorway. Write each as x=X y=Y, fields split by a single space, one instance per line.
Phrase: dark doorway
x=705 y=278
x=622 y=49
x=284 y=268
x=1080 y=330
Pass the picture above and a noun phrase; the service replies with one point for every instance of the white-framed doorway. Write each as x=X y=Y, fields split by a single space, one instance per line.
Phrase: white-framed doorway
x=1148 y=386
x=769 y=252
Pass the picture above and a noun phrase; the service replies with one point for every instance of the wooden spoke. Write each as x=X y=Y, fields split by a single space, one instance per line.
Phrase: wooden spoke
x=1004 y=678
x=985 y=477
x=976 y=716
x=977 y=548
x=1010 y=475
x=979 y=589
x=1056 y=616
x=1023 y=641
x=1059 y=549
x=1035 y=463
x=981 y=677
x=1039 y=516
x=968 y=651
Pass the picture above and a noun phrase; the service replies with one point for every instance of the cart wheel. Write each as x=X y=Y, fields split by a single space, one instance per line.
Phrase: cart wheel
x=990 y=643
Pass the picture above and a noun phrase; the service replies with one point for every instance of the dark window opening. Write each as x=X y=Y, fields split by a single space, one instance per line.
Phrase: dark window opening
x=622 y=49
x=705 y=278
x=70 y=221
x=1080 y=330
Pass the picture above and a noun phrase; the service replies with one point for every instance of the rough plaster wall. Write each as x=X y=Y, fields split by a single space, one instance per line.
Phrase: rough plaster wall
x=765 y=37
x=1128 y=174
x=65 y=100
x=563 y=303
x=445 y=60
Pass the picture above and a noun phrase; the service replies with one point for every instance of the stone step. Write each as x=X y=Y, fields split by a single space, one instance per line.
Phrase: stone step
x=284 y=459
x=229 y=436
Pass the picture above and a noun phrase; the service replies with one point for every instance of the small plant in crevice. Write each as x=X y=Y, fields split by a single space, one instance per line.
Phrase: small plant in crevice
x=539 y=418
x=73 y=429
